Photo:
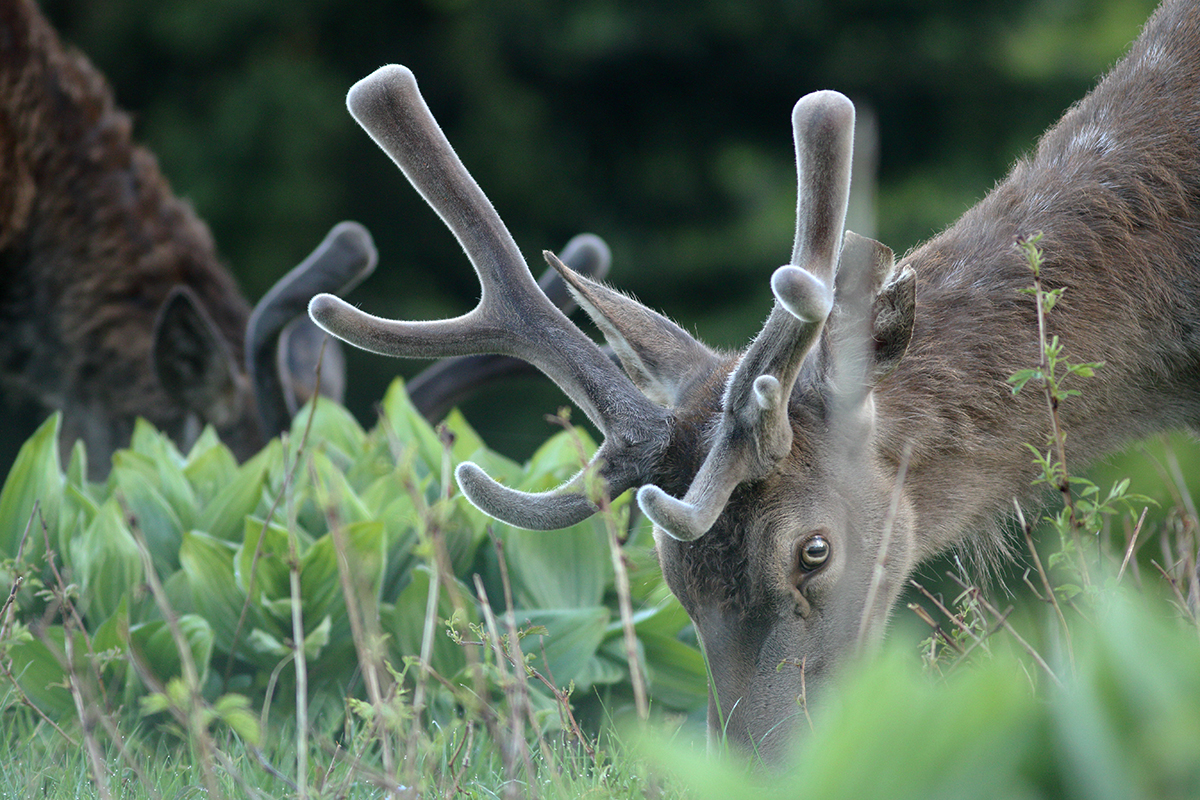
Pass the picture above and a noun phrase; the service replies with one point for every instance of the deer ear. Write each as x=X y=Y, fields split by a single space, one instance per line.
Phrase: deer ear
x=894 y=313
x=894 y=308
x=193 y=362
x=660 y=357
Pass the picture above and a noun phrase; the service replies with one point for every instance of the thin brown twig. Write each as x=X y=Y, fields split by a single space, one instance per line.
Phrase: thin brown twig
x=1132 y=543
x=563 y=700
x=1003 y=618
x=191 y=717
x=516 y=745
x=599 y=495
x=949 y=615
x=938 y=630
x=1183 y=603
x=987 y=635
x=467 y=741
x=1027 y=529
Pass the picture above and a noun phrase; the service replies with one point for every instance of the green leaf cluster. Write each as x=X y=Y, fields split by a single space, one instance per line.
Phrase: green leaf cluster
x=228 y=541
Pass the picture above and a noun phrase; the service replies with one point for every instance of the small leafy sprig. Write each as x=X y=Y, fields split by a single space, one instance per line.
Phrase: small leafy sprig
x=1084 y=505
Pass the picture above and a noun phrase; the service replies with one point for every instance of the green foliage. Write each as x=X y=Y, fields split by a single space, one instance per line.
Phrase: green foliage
x=1126 y=725
x=340 y=511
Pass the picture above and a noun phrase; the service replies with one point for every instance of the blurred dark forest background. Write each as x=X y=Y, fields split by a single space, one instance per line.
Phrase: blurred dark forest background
x=661 y=126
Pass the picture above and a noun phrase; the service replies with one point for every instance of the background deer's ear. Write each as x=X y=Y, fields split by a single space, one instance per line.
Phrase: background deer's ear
x=660 y=357
x=193 y=362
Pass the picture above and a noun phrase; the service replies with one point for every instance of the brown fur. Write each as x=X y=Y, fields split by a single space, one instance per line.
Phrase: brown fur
x=113 y=304
x=1115 y=189
x=92 y=240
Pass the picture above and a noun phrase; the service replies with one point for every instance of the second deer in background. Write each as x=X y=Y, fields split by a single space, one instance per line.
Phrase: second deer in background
x=113 y=303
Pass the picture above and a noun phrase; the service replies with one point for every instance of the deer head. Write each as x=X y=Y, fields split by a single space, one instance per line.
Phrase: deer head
x=286 y=358
x=756 y=468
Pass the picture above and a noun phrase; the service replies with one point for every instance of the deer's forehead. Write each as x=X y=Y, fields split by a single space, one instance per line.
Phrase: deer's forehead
x=741 y=563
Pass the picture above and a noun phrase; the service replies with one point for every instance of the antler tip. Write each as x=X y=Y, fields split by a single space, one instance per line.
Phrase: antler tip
x=368 y=93
x=673 y=516
x=803 y=294
x=824 y=104
x=357 y=239
x=323 y=308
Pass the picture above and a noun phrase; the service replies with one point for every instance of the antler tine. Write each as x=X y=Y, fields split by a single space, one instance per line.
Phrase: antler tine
x=444 y=384
x=344 y=258
x=392 y=111
x=513 y=316
x=754 y=433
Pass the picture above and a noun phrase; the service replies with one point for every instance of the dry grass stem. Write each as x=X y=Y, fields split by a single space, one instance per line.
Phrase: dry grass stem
x=879 y=574
x=949 y=615
x=1129 y=548
x=1051 y=598
x=1003 y=619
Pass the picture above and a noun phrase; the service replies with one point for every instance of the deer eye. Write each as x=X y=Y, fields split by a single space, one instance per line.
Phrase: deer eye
x=814 y=552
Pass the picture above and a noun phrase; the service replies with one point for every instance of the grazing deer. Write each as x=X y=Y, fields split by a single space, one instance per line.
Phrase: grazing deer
x=113 y=304
x=794 y=486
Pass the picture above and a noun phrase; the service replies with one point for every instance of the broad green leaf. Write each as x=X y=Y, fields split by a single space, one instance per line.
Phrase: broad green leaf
x=466 y=441
x=333 y=493
x=405 y=622
x=973 y=731
x=152 y=443
x=463 y=529
x=209 y=468
x=333 y=431
x=667 y=618
x=225 y=516
x=208 y=563
x=558 y=460
x=234 y=710
x=164 y=468
x=77 y=466
x=316 y=638
x=573 y=635
x=410 y=428
x=267 y=644
x=675 y=672
x=35 y=480
x=156 y=645
x=320 y=582
x=178 y=590
x=559 y=569
x=270 y=574
x=112 y=635
x=207 y=440
x=106 y=562
x=468 y=446
x=114 y=631
x=153 y=515
x=78 y=511
x=40 y=673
